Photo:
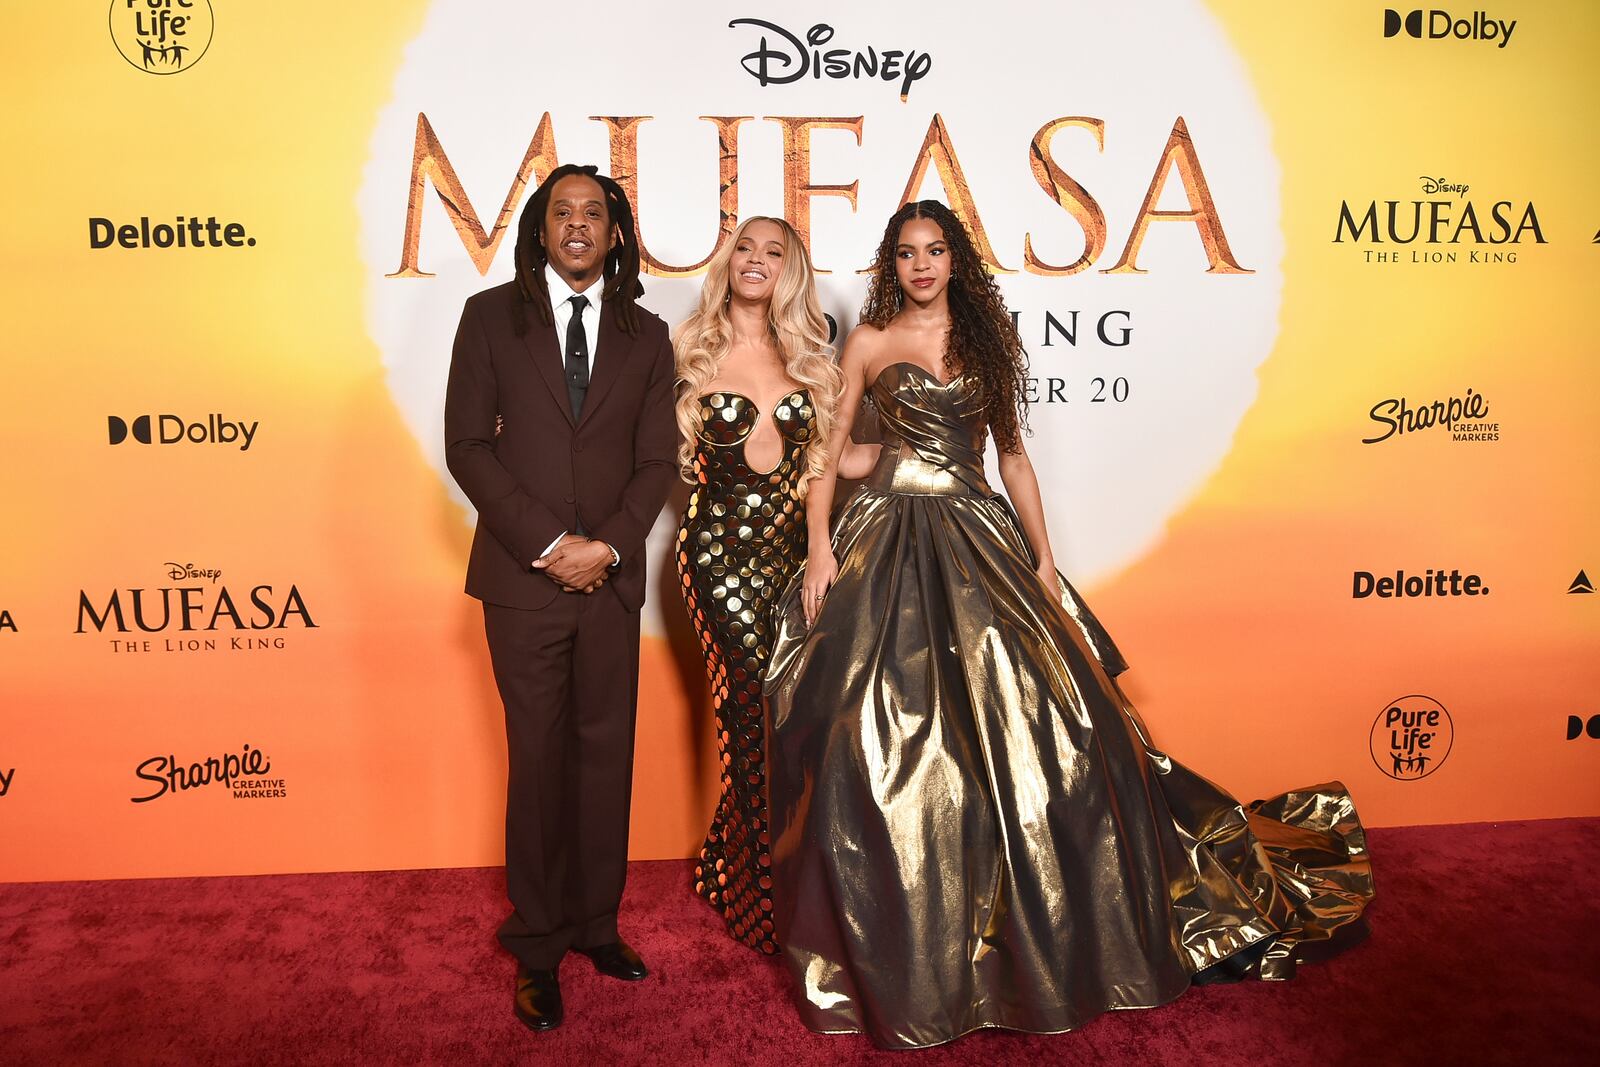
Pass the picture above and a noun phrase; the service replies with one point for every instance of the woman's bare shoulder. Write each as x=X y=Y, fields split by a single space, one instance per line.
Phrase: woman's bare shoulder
x=864 y=342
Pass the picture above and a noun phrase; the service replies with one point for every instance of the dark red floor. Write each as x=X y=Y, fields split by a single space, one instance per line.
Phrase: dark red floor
x=1485 y=949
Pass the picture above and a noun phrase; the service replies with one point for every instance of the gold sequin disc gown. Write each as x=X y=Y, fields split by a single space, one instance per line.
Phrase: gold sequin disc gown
x=742 y=538
x=970 y=824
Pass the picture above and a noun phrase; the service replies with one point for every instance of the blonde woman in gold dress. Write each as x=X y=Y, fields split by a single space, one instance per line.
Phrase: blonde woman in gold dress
x=970 y=825
x=758 y=394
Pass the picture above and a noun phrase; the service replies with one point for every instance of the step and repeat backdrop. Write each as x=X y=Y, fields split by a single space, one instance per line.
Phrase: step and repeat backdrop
x=1309 y=301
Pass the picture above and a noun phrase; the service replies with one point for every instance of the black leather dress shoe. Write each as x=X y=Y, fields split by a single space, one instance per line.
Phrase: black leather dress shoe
x=538 y=1000
x=617 y=960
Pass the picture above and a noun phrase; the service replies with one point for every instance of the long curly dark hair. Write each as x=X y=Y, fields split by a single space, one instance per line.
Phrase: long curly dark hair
x=982 y=341
x=622 y=286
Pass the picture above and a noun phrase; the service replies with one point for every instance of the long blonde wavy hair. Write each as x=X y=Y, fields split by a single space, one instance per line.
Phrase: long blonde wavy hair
x=794 y=318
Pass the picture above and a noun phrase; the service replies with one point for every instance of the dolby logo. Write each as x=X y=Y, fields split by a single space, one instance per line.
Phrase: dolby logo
x=1401 y=585
x=1577 y=727
x=1436 y=25
x=174 y=430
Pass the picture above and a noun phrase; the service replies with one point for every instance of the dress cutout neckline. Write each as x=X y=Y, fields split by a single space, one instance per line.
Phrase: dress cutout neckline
x=742 y=441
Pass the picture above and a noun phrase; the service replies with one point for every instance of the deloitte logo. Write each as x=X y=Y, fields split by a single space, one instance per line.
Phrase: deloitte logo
x=1440 y=583
x=162 y=36
x=172 y=430
x=1435 y=25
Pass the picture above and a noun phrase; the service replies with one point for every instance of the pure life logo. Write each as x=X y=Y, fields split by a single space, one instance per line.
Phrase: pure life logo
x=781 y=58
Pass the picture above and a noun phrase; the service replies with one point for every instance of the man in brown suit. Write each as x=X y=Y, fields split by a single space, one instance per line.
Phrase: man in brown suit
x=568 y=461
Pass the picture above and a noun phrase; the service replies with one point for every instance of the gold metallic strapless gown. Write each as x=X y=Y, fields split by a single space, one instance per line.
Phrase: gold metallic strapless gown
x=970 y=824
x=743 y=536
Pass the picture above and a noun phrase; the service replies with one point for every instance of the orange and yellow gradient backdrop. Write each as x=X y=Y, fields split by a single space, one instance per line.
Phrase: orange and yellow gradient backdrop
x=1251 y=661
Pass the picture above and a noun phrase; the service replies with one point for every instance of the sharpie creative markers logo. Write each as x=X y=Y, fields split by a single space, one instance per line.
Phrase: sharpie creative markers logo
x=162 y=36
x=781 y=57
x=1465 y=417
x=244 y=773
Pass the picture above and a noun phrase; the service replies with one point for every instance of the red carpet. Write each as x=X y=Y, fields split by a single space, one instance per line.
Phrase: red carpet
x=1485 y=949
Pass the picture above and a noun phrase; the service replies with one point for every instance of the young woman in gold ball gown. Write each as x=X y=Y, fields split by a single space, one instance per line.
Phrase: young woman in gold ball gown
x=970 y=825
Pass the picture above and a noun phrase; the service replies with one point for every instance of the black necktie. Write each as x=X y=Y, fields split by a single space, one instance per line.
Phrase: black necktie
x=577 y=356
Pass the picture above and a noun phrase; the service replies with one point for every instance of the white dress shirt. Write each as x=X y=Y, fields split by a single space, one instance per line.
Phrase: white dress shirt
x=561 y=295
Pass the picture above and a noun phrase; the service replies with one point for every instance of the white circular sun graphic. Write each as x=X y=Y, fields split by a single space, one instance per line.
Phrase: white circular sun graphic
x=1141 y=377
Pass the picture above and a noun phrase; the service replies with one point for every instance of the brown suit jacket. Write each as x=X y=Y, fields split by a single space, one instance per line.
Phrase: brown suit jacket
x=545 y=473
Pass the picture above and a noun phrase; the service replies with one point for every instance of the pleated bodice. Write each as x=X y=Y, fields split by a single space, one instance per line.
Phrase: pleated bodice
x=933 y=434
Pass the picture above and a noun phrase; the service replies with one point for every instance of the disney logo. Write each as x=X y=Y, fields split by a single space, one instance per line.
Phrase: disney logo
x=1439 y=185
x=788 y=58
x=179 y=571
